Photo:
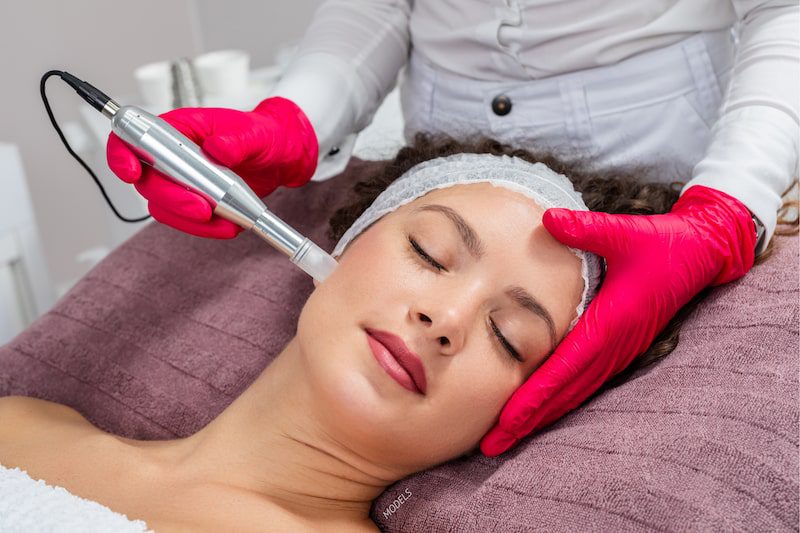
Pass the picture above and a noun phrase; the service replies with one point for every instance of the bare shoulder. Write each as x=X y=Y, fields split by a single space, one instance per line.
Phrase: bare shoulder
x=25 y=420
x=55 y=443
x=23 y=409
x=10 y=405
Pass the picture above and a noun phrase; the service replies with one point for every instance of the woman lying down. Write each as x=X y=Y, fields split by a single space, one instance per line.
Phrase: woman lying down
x=446 y=267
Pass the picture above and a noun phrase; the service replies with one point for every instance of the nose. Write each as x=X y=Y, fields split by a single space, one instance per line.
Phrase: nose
x=445 y=313
x=445 y=328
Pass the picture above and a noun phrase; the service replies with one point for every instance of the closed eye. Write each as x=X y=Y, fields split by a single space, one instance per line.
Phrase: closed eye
x=507 y=345
x=424 y=255
x=438 y=266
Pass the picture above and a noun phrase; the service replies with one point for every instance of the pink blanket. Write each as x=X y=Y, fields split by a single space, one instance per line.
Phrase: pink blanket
x=165 y=332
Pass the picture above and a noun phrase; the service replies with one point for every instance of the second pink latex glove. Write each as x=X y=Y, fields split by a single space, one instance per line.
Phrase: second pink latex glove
x=655 y=265
x=272 y=145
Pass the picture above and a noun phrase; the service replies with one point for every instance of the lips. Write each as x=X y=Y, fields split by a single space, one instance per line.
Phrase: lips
x=408 y=360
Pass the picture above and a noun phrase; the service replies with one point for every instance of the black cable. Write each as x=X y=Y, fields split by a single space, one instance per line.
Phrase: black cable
x=59 y=73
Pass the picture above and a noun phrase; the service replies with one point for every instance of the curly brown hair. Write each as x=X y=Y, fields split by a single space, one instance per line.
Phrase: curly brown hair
x=616 y=191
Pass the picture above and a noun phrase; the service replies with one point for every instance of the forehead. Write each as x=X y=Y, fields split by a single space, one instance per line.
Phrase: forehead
x=488 y=208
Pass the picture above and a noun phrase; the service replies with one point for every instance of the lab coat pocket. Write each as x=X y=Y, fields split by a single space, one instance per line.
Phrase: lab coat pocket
x=668 y=136
x=707 y=114
x=681 y=142
x=697 y=128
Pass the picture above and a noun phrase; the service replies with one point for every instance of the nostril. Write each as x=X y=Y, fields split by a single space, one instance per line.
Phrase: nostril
x=444 y=341
x=425 y=318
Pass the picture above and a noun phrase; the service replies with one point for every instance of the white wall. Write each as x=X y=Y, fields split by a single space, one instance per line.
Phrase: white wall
x=103 y=42
x=256 y=26
x=87 y=38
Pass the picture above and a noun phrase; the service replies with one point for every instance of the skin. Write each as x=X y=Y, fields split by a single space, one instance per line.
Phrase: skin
x=324 y=430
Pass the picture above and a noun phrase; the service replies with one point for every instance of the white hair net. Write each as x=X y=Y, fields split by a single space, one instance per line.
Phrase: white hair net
x=534 y=180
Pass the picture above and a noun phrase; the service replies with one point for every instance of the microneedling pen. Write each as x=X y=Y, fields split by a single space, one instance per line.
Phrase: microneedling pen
x=170 y=152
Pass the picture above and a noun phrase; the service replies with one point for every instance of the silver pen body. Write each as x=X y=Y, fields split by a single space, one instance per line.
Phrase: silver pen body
x=170 y=152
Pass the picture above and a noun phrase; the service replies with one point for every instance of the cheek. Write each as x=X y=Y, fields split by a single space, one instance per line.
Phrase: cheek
x=376 y=271
x=361 y=277
x=473 y=391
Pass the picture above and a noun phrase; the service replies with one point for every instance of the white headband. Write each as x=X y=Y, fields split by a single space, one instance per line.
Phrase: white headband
x=533 y=180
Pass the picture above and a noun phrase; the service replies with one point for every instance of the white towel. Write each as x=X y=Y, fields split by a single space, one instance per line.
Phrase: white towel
x=28 y=506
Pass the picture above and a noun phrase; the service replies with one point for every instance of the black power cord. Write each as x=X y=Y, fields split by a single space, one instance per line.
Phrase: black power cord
x=64 y=75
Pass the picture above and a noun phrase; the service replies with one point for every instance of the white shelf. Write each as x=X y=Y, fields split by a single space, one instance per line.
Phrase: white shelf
x=25 y=288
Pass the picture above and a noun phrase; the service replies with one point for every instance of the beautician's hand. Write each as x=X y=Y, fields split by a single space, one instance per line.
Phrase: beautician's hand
x=655 y=265
x=272 y=145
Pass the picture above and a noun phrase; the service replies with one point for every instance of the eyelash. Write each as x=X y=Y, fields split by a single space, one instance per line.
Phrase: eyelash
x=424 y=255
x=439 y=267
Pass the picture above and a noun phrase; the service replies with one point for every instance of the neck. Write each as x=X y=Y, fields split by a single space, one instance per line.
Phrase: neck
x=272 y=441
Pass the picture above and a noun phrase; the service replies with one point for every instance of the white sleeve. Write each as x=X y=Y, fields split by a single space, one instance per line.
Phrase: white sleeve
x=753 y=153
x=346 y=64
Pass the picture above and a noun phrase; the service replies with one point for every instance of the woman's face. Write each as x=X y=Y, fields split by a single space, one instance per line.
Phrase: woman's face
x=470 y=280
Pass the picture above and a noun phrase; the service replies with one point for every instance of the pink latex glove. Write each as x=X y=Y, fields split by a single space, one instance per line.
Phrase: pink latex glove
x=655 y=264
x=272 y=145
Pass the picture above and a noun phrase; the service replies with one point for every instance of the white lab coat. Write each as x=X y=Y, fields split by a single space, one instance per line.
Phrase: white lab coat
x=747 y=134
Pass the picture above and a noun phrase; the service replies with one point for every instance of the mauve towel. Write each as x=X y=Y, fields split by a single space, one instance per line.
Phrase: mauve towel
x=167 y=330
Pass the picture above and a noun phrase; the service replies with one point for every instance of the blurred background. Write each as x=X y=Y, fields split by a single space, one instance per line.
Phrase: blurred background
x=54 y=225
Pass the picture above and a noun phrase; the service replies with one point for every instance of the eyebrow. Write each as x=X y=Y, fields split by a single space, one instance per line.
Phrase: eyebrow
x=468 y=236
x=473 y=243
